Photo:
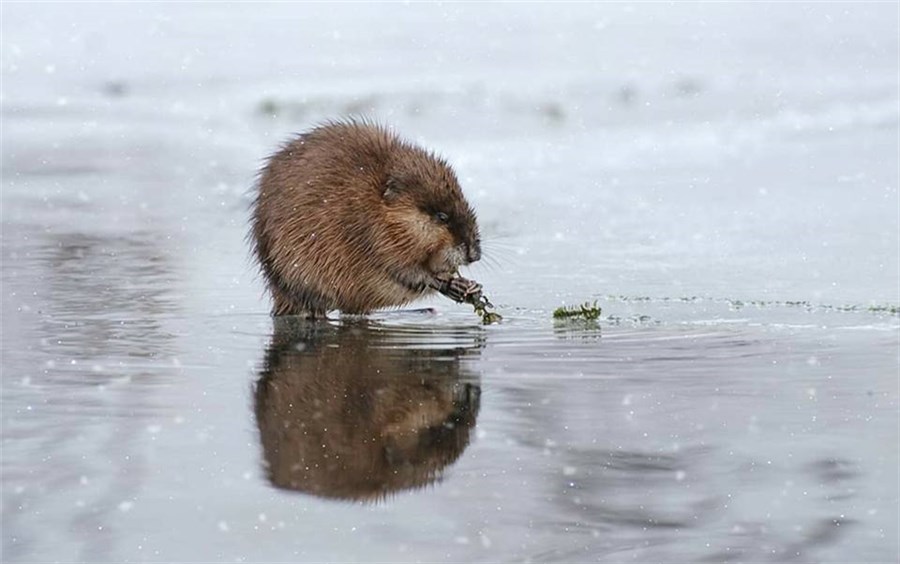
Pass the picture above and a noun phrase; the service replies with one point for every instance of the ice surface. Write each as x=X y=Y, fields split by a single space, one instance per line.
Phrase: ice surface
x=722 y=177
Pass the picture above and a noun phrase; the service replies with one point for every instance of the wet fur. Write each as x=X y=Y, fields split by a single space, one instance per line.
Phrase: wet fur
x=345 y=218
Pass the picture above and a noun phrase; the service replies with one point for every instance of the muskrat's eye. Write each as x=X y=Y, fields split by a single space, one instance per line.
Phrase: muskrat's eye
x=442 y=217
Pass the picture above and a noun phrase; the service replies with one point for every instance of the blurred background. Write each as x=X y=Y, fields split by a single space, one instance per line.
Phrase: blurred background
x=730 y=149
x=721 y=177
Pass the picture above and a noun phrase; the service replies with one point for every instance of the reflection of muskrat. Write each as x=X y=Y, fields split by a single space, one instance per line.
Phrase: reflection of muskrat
x=350 y=217
x=358 y=411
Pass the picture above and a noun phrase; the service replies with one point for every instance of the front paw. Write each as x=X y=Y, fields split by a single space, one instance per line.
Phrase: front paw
x=458 y=289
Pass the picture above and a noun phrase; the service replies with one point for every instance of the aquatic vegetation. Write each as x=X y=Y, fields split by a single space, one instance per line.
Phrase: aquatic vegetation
x=633 y=320
x=482 y=306
x=889 y=309
x=737 y=304
x=587 y=310
x=466 y=291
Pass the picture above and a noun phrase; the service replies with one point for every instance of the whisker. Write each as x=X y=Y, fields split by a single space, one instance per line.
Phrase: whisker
x=500 y=256
x=484 y=267
x=500 y=240
x=490 y=260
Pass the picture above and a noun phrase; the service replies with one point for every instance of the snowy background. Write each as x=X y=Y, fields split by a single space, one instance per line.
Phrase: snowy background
x=722 y=177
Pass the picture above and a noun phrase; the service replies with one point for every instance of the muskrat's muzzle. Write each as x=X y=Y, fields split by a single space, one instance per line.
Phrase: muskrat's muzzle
x=473 y=252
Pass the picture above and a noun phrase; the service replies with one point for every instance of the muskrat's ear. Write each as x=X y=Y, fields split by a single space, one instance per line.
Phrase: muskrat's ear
x=392 y=189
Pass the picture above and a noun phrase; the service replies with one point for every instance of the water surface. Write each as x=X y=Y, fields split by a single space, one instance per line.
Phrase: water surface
x=728 y=199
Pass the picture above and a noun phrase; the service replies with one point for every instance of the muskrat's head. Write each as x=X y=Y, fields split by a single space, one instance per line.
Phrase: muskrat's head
x=431 y=224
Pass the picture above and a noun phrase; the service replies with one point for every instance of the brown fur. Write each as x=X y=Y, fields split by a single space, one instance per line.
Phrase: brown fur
x=346 y=217
x=343 y=412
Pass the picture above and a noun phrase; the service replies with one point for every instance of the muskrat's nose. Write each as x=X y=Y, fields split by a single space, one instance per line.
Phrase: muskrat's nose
x=473 y=251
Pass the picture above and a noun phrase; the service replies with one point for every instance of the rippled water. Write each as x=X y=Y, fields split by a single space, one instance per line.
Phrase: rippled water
x=737 y=400
x=437 y=439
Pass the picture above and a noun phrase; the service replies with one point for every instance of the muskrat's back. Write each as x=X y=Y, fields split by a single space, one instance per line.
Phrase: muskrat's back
x=348 y=216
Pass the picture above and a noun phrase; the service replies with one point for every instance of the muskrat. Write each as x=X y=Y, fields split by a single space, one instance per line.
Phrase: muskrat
x=349 y=216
